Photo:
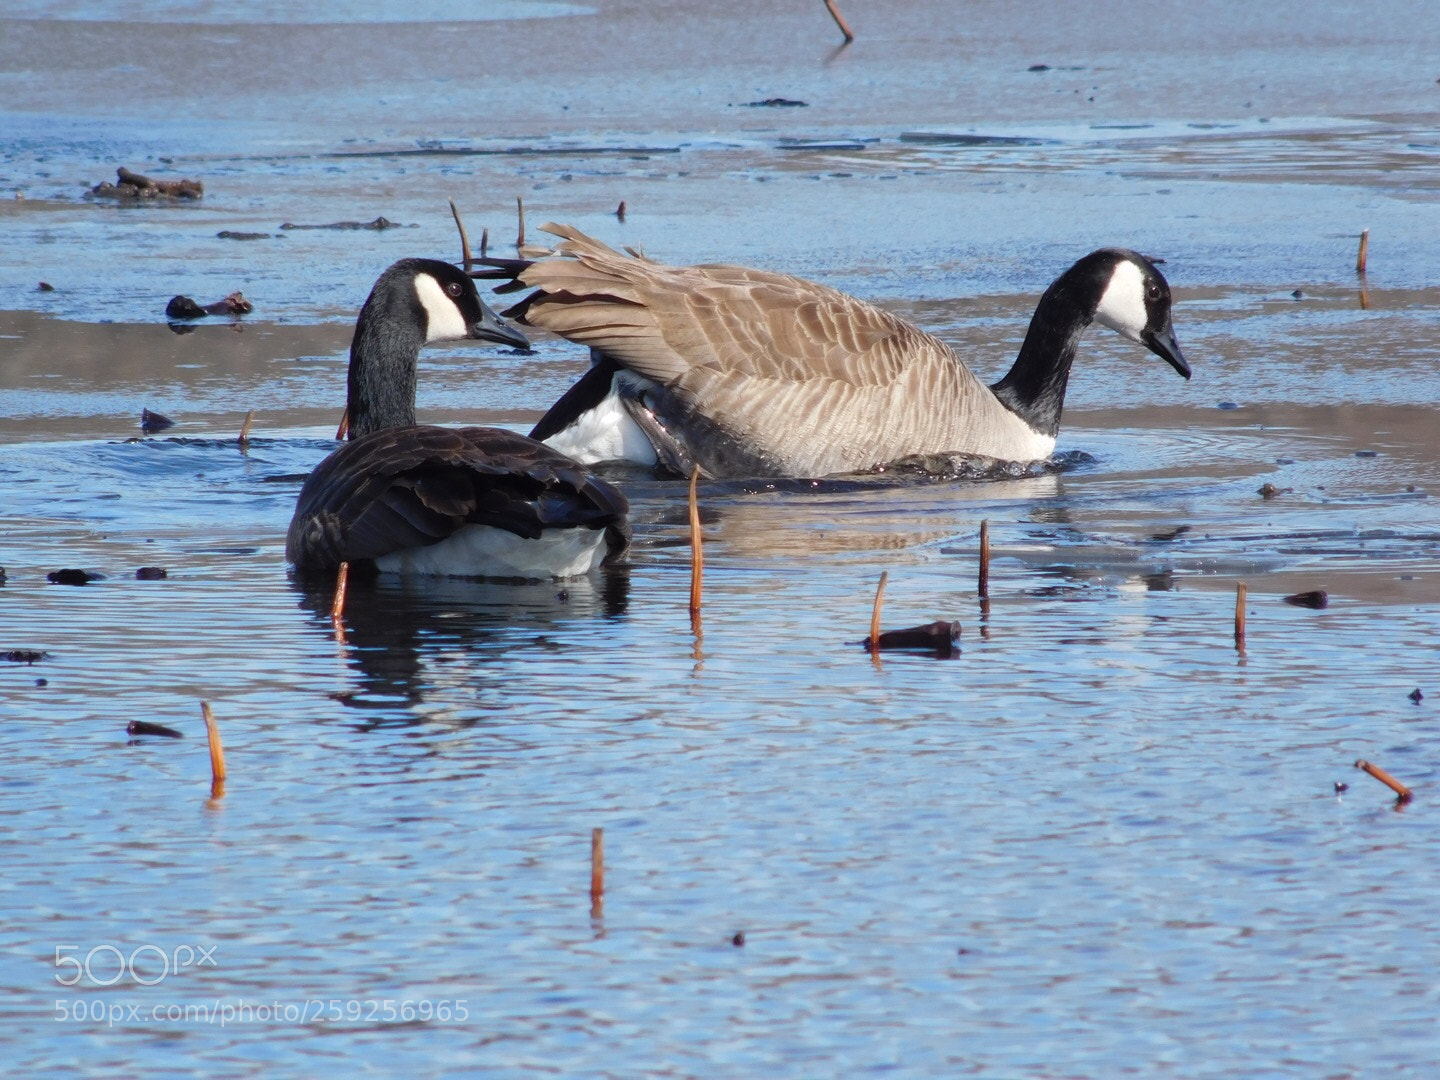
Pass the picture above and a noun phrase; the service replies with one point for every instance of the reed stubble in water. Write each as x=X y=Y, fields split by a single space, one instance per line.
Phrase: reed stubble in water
x=1403 y=792
x=983 y=584
x=1240 y=615
x=217 y=751
x=697 y=553
x=874 y=642
x=597 y=872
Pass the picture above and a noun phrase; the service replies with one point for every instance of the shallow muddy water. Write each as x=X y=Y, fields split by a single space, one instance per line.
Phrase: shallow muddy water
x=1101 y=841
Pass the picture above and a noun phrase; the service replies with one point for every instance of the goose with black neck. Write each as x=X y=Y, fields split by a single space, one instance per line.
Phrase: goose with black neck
x=408 y=498
x=749 y=373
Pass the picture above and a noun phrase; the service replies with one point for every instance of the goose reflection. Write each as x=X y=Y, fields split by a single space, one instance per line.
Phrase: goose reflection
x=408 y=639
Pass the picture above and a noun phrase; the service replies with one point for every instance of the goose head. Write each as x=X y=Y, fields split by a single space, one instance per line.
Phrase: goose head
x=1113 y=287
x=415 y=301
x=1135 y=303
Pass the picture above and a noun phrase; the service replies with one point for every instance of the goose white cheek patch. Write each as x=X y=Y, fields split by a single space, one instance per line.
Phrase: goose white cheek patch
x=443 y=321
x=1122 y=307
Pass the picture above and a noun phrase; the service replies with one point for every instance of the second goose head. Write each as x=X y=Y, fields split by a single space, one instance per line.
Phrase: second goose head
x=414 y=301
x=1112 y=286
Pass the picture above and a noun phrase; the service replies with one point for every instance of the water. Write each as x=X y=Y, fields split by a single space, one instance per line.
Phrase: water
x=1100 y=842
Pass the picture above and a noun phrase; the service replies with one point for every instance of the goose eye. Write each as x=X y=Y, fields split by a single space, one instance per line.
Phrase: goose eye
x=453 y=289
x=1152 y=292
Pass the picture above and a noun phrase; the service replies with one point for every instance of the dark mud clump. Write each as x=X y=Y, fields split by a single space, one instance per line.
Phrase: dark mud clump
x=183 y=307
x=24 y=656
x=1315 y=599
x=145 y=727
x=151 y=422
x=72 y=577
x=940 y=637
x=378 y=224
x=134 y=187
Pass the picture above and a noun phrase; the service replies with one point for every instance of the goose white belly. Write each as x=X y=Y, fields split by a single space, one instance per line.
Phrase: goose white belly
x=485 y=551
x=604 y=433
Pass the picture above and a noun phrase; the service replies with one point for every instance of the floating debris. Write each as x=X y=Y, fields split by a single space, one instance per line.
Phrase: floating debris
x=182 y=307
x=145 y=727
x=72 y=577
x=1416 y=696
x=776 y=103
x=150 y=573
x=1269 y=491
x=133 y=185
x=349 y=226
x=1228 y=405
x=940 y=637
x=1340 y=788
x=153 y=421
x=1315 y=599
x=44 y=286
x=231 y=234
x=27 y=656
x=738 y=939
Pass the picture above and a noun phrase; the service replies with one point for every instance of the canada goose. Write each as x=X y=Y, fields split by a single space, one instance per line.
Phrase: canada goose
x=750 y=373
x=471 y=501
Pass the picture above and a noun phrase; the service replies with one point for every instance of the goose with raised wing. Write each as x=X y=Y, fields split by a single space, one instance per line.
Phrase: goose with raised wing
x=750 y=373
x=421 y=499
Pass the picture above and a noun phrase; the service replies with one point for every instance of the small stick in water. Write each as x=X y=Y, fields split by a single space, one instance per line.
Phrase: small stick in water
x=344 y=428
x=465 y=257
x=597 y=871
x=875 y=612
x=1385 y=778
x=244 y=439
x=1240 y=614
x=217 y=752
x=839 y=21
x=484 y=242
x=520 y=213
x=1364 y=255
x=337 y=606
x=620 y=211
x=697 y=554
x=984 y=585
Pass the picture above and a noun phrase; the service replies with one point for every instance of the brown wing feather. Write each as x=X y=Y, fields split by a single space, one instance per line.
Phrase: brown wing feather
x=849 y=384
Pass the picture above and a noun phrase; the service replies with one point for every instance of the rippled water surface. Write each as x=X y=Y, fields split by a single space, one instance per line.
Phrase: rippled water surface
x=1101 y=841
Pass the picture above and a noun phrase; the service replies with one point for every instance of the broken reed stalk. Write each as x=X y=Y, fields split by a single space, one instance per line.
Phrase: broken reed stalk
x=1385 y=778
x=342 y=582
x=244 y=439
x=1240 y=614
x=344 y=428
x=984 y=582
x=217 y=751
x=484 y=242
x=520 y=213
x=465 y=257
x=697 y=553
x=1364 y=255
x=597 y=867
x=620 y=211
x=839 y=21
x=875 y=611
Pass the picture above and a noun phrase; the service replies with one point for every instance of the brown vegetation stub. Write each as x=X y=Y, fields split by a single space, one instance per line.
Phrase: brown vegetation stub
x=1240 y=614
x=1363 y=257
x=873 y=642
x=840 y=21
x=697 y=553
x=597 y=865
x=1385 y=778
x=984 y=579
x=217 y=748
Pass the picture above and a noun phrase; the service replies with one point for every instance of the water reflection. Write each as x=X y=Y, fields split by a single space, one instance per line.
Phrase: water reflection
x=403 y=637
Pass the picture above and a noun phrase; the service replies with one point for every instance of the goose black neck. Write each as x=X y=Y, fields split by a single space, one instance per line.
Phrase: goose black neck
x=383 y=357
x=1034 y=387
